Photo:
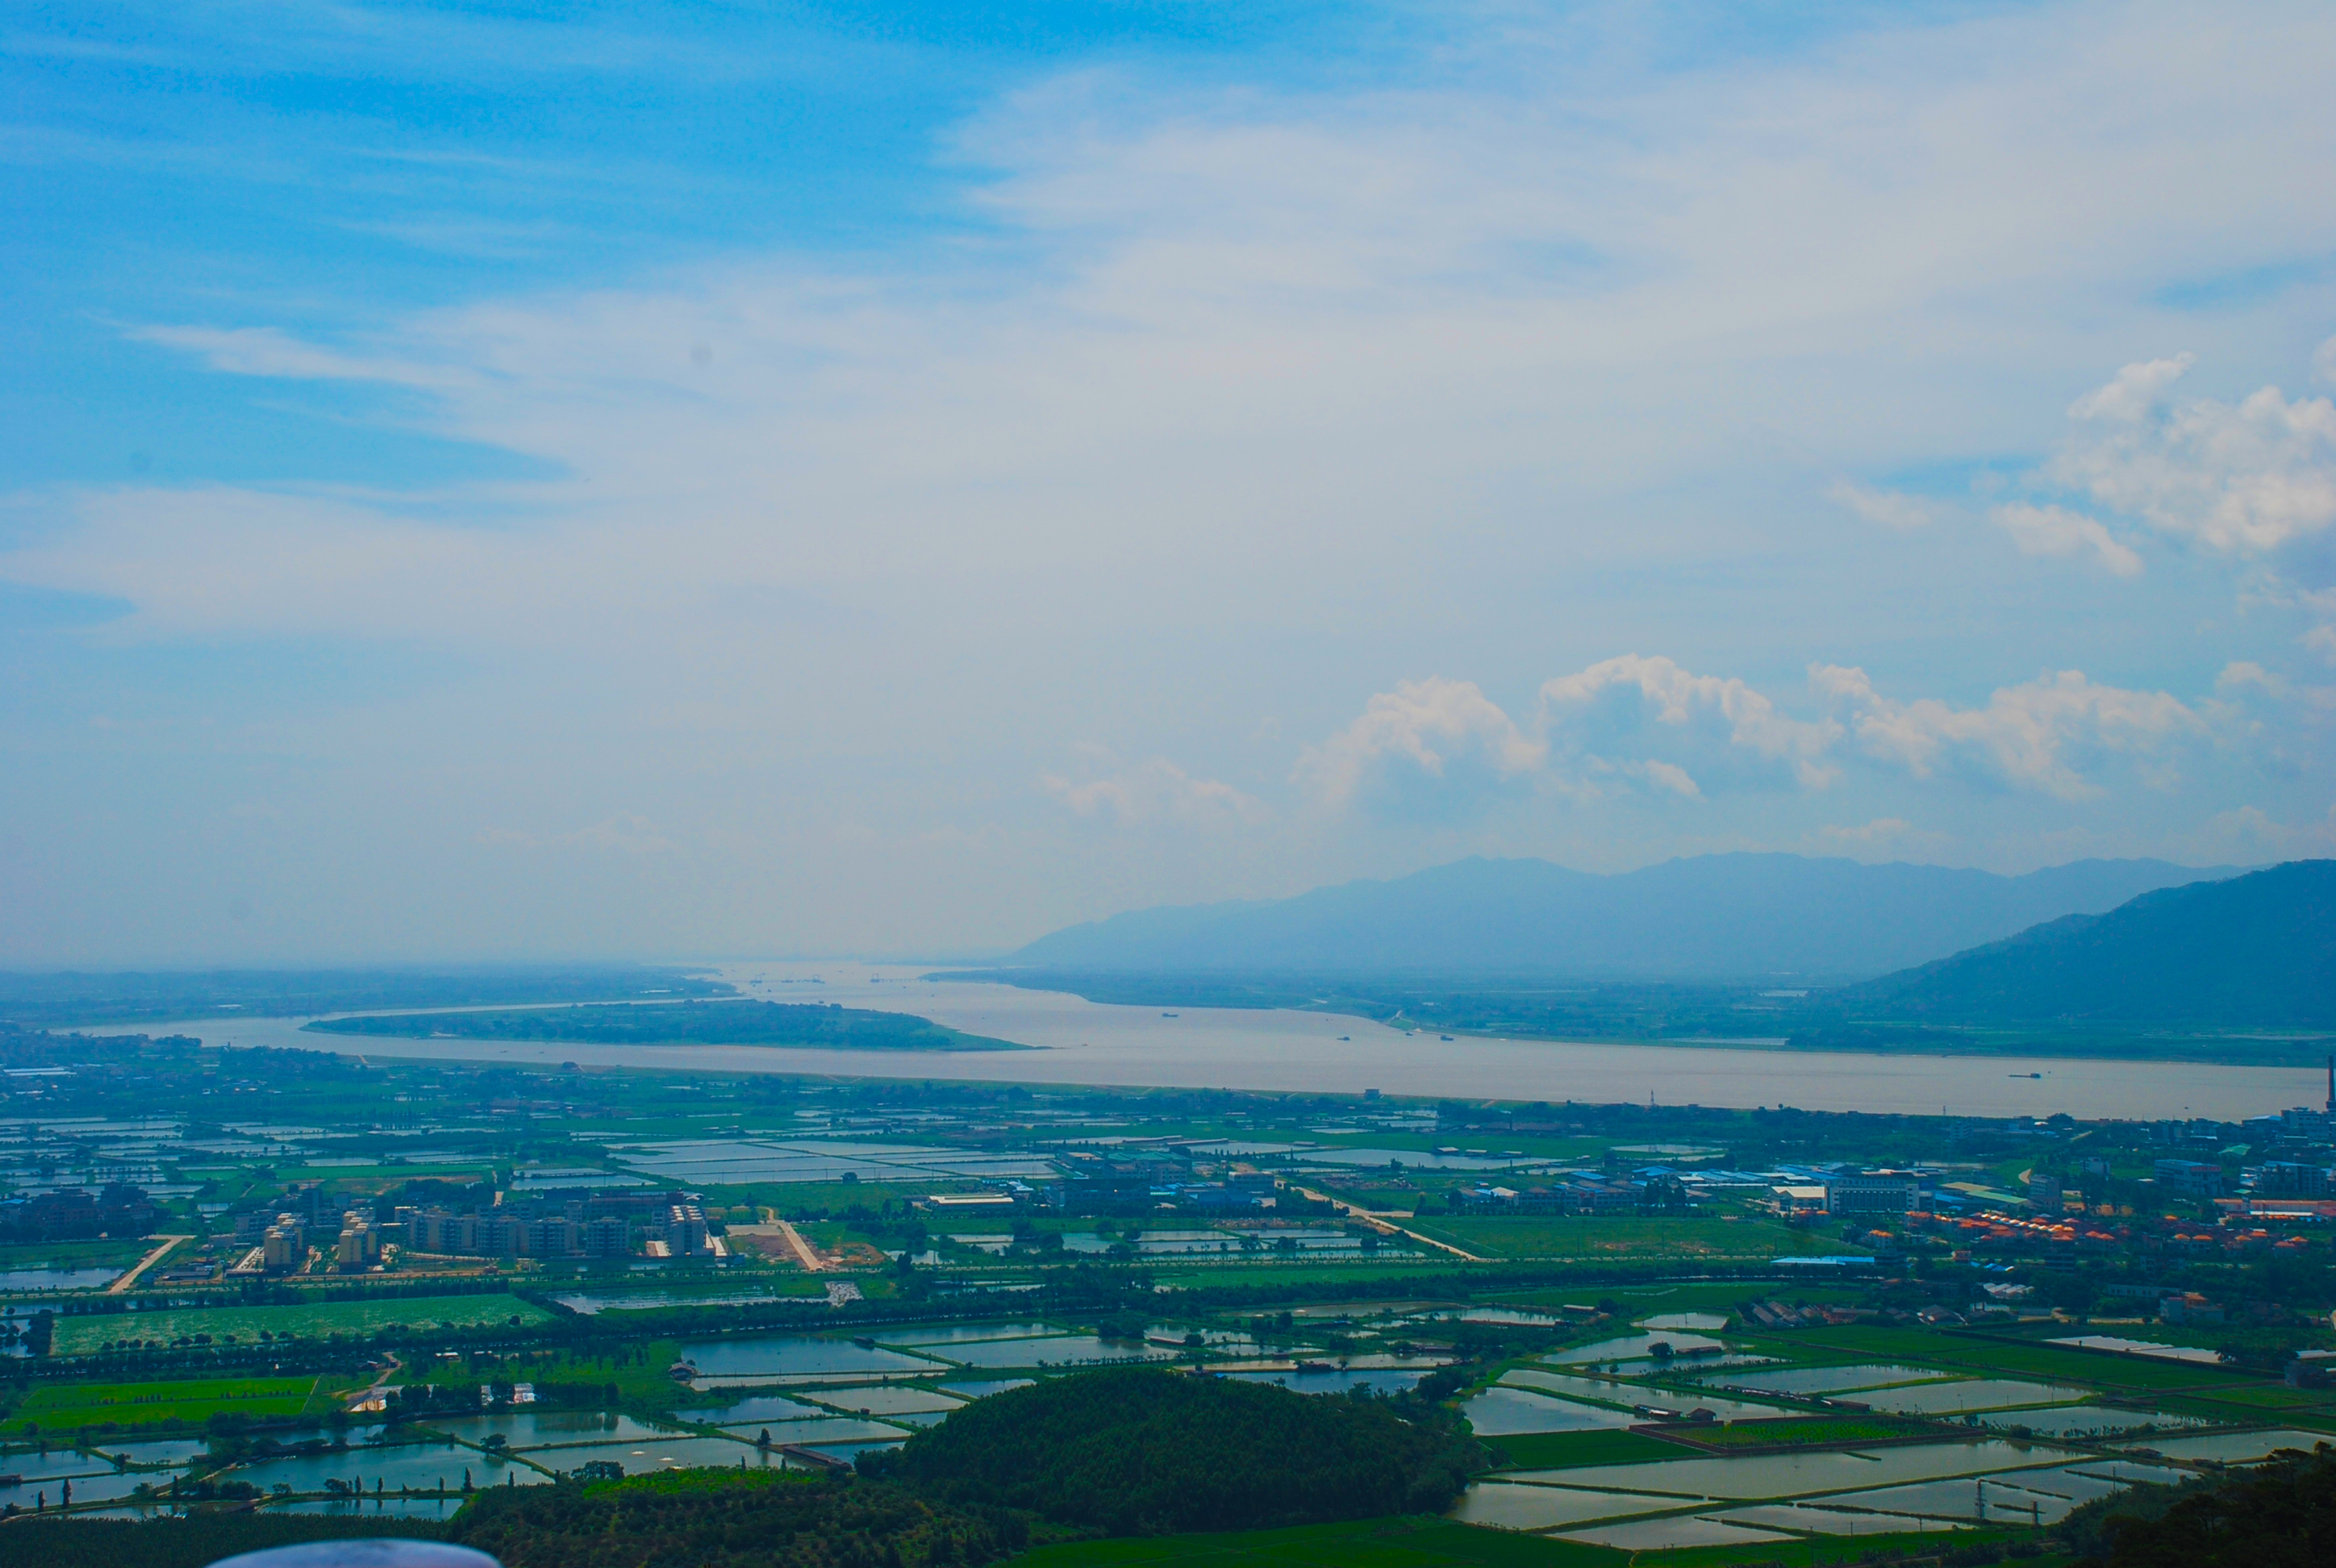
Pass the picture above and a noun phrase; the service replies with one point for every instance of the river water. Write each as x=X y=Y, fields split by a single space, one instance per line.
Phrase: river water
x=1278 y=1050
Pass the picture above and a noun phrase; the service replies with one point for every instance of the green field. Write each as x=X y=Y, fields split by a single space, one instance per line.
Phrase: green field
x=1605 y=1237
x=1811 y=1430
x=81 y=1335
x=1419 y=1542
x=1401 y=1543
x=1570 y=1450
x=193 y=1401
x=73 y=1254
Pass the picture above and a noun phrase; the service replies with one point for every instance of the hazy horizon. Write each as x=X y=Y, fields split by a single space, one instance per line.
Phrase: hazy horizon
x=651 y=484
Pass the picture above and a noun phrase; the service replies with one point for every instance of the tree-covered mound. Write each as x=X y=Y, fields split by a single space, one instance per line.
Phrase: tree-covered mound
x=719 y=1518
x=1135 y=1451
x=2281 y=1514
x=812 y=1024
x=190 y=1541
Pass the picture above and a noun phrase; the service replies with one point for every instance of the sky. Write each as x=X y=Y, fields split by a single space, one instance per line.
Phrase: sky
x=523 y=480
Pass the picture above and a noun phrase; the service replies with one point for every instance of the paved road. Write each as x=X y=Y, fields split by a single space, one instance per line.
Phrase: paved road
x=144 y=1263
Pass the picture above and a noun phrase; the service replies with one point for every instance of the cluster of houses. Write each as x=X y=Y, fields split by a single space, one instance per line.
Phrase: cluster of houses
x=309 y=1227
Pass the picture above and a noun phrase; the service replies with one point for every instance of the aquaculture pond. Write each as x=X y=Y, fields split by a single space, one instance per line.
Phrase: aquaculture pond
x=1824 y=1520
x=1796 y=1474
x=784 y=1355
x=2232 y=1448
x=592 y=1303
x=103 y=1486
x=1508 y=1507
x=756 y=1407
x=961 y=1333
x=1963 y=1397
x=1334 y=1381
x=34 y=1466
x=15 y=1281
x=1630 y=1347
x=826 y=1429
x=420 y=1466
x=549 y=1429
x=2090 y=1421
x=890 y=1401
x=372 y=1507
x=1826 y=1379
x=1663 y=1534
x=1060 y=1350
x=1500 y=1412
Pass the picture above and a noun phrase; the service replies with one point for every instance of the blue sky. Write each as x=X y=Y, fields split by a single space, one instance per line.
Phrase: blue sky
x=492 y=480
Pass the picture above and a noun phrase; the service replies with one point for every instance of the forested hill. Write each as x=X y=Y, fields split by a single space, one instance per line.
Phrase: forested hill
x=2258 y=950
x=1137 y=1451
x=817 y=1026
x=1709 y=916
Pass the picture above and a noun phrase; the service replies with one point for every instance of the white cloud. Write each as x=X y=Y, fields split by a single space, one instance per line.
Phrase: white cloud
x=1887 y=508
x=2249 y=831
x=1880 y=831
x=2241 y=673
x=1681 y=702
x=2044 y=735
x=2056 y=530
x=1419 y=730
x=1156 y=791
x=2247 y=478
x=2321 y=640
x=2048 y=735
x=1669 y=776
x=269 y=352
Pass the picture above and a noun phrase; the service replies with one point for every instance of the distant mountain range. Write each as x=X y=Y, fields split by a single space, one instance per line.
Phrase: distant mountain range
x=2257 y=949
x=1707 y=917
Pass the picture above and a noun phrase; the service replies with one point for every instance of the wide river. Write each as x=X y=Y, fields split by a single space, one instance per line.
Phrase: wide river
x=1083 y=1042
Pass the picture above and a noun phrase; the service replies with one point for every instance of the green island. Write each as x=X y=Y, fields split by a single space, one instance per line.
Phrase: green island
x=814 y=1025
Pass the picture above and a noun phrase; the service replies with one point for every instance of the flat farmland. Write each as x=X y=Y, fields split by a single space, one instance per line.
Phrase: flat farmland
x=1616 y=1236
x=71 y=1254
x=81 y=1335
x=1396 y=1543
x=192 y=1401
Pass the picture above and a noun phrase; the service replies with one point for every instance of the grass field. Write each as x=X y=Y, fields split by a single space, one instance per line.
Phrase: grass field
x=192 y=1401
x=72 y=1254
x=1612 y=1236
x=372 y=1176
x=1402 y=1542
x=1813 y=1429
x=1419 y=1542
x=78 y=1336
x=1570 y=1450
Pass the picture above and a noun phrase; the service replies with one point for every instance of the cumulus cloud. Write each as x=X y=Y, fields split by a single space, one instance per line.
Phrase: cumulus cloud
x=1156 y=791
x=1444 y=731
x=1606 y=723
x=2056 y=530
x=2044 y=735
x=2245 y=478
x=1887 y=508
x=1620 y=695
